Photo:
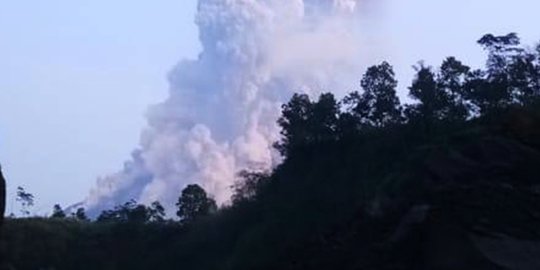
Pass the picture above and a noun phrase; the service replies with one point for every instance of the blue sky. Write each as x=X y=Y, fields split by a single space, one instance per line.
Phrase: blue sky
x=77 y=76
x=75 y=80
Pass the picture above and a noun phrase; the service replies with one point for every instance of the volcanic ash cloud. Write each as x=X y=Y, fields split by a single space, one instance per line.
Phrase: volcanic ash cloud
x=220 y=116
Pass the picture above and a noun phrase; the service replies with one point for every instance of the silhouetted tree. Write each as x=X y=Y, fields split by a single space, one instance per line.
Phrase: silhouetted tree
x=58 y=212
x=249 y=186
x=156 y=212
x=378 y=105
x=194 y=203
x=304 y=122
x=294 y=122
x=357 y=110
x=112 y=215
x=348 y=124
x=433 y=103
x=137 y=213
x=323 y=119
x=379 y=96
x=497 y=90
x=2 y=196
x=128 y=212
x=80 y=214
x=476 y=90
x=451 y=80
x=524 y=76
x=26 y=200
x=536 y=78
x=501 y=50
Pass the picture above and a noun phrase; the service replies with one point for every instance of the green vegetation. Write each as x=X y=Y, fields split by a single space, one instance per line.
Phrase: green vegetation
x=447 y=182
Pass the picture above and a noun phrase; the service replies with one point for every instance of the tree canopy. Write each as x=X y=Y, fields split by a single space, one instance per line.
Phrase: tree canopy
x=194 y=203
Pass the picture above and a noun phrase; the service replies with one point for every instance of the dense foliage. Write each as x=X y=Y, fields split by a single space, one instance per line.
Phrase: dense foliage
x=355 y=176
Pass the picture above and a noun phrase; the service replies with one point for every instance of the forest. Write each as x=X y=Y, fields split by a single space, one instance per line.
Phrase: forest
x=448 y=180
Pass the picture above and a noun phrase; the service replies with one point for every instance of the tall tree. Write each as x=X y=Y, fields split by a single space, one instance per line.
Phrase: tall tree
x=524 y=76
x=2 y=196
x=536 y=78
x=451 y=80
x=499 y=89
x=501 y=50
x=305 y=122
x=323 y=118
x=378 y=105
x=432 y=102
x=194 y=203
x=294 y=122
x=379 y=85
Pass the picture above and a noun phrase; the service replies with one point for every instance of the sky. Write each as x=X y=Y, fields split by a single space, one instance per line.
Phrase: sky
x=76 y=77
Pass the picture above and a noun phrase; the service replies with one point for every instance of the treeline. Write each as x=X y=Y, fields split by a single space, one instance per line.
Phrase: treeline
x=345 y=162
x=192 y=204
x=449 y=95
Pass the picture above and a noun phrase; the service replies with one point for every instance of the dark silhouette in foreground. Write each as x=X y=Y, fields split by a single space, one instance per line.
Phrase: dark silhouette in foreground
x=2 y=197
x=2 y=207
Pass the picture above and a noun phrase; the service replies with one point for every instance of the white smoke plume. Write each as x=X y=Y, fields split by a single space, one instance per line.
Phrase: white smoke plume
x=220 y=116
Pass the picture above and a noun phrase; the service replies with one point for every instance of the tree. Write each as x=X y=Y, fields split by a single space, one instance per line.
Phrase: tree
x=2 y=196
x=323 y=119
x=128 y=212
x=26 y=200
x=294 y=123
x=500 y=50
x=499 y=89
x=378 y=105
x=536 y=77
x=432 y=102
x=357 y=110
x=379 y=87
x=249 y=186
x=194 y=203
x=348 y=125
x=80 y=214
x=156 y=212
x=304 y=122
x=58 y=212
x=451 y=80
x=524 y=76
x=135 y=213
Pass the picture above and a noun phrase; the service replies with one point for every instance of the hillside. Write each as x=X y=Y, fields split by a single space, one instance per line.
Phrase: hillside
x=464 y=199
